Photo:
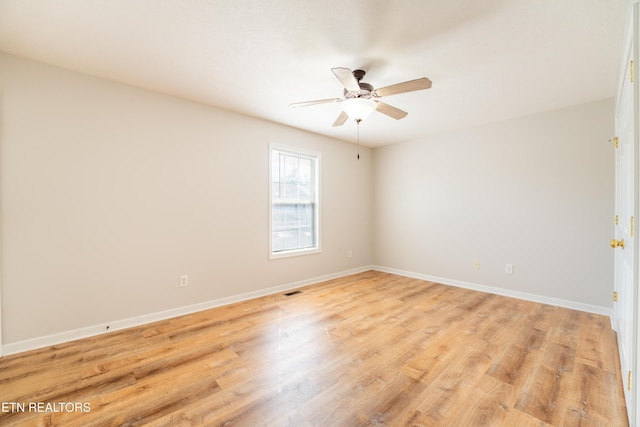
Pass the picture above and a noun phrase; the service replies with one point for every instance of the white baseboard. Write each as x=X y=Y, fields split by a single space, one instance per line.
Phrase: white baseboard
x=61 y=337
x=605 y=311
x=89 y=331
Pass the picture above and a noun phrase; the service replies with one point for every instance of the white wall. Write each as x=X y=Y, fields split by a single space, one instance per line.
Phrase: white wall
x=109 y=193
x=536 y=192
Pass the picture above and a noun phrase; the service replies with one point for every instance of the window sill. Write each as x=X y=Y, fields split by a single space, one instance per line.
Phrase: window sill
x=292 y=253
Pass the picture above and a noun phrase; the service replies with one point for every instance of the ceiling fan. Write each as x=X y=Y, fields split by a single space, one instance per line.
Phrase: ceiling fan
x=360 y=98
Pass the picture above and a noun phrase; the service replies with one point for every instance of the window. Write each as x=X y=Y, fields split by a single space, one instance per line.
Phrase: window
x=294 y=202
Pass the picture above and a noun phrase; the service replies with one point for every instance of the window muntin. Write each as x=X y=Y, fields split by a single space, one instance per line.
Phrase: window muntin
x=294 y=202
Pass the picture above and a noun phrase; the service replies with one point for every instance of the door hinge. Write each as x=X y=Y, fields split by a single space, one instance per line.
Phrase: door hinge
x=631 y=71
x=629 y=381
x=615 y=296
x=615 y=141
x=615 y=220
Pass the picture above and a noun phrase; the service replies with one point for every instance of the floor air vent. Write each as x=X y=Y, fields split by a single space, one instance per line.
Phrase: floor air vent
x=288 y=294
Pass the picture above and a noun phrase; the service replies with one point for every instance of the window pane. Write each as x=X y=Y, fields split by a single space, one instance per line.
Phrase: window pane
x=293 y=192
x=292 y=226
x=305 y=182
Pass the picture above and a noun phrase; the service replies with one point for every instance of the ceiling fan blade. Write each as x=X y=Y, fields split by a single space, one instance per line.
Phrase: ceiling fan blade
x=410 y=86
x=390 y=111
x=345 y=76
x=341 y=119
x=319 y=101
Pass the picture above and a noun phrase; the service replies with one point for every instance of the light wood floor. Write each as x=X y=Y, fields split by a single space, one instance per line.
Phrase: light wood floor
x=370 y=349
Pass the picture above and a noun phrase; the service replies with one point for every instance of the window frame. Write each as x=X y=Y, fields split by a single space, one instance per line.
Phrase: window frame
x=316 y=158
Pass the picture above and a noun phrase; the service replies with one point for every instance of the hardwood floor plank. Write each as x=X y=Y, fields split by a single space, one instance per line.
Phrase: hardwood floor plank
x=370 y=349
x=541 y=398
x=517 y=418
x=487 y=405
x=593 y=338
x=516 y=365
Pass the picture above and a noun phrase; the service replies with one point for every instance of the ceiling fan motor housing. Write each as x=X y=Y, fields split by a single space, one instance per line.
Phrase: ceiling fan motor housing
x=365 y=88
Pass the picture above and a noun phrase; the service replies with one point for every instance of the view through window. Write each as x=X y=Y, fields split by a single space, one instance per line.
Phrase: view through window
x=294 y=202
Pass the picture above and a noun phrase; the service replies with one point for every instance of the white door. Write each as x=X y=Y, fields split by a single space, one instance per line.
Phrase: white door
x=624 y=317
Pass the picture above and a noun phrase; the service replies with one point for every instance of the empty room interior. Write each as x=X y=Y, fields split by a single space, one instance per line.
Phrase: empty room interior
x=300 y=213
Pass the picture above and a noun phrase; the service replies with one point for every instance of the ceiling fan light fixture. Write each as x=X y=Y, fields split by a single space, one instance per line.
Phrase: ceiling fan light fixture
x=358 y=108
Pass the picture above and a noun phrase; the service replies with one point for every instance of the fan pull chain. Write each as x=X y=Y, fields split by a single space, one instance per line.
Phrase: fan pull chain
x=358 y=134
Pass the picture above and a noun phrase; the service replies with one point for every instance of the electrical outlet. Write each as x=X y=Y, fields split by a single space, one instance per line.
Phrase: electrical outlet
x=476 y=264
x=508 y=268
x=350 y=253
x=184 y=280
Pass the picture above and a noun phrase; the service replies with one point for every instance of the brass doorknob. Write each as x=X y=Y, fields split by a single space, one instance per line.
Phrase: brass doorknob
x=615 y=243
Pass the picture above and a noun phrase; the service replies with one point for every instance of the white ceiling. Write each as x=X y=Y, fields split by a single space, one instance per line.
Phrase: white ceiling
x=489 y=60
